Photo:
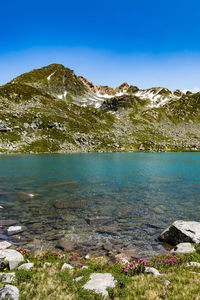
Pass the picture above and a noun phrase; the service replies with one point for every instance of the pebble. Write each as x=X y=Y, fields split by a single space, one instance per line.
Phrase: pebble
x=166 y=282
x=46 y=264
x=78 y=278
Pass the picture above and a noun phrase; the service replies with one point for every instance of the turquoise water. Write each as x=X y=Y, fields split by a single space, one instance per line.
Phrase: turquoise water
x=141 y=193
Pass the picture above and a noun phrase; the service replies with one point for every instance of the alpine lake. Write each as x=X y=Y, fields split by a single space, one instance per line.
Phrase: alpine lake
x=102 y=202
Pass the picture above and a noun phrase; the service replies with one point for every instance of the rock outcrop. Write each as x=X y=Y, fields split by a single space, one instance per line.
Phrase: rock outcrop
x=181 y=232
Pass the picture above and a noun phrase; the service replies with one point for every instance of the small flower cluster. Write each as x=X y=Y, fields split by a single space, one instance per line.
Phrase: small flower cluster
x=168 y=259
x=134 y=267
x=50 y=255
x=73 y=256
x=24 y=252
x=75 y=259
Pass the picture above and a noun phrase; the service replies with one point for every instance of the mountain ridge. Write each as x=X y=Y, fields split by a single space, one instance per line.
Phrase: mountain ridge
x=51 y=109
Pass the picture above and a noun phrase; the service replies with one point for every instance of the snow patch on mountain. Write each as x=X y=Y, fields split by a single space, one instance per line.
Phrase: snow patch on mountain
x=49 y=77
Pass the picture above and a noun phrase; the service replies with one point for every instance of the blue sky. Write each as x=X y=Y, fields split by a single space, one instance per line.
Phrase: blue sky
x=144 y=42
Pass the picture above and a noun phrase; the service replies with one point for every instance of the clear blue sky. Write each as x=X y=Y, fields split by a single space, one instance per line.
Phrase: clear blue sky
x=144 y=42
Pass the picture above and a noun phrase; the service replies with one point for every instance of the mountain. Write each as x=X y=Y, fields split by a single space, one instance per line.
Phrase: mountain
x=53 y=110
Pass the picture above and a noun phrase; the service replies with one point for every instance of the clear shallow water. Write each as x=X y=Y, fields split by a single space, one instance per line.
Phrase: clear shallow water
x=141 y=193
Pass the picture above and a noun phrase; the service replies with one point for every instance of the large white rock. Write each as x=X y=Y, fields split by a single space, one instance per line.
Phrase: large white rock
x=9 y=292
x=7 y=277
x=13 y=257
x=181 y=232
x=183 y=248
x=26 y=266
x=151 y=270
x=99 y=282
x=5 y=245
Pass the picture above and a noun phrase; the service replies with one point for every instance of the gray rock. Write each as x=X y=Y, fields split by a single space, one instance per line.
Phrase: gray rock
x=9 y=292
x=7 y=277
x=5 y=245
x=166 y=282
x=13 y=257
x=66 y=266
x=180 y=232
x=193 y=264
x=65 y=245
x=122 y=258
x=183 y=248
x=99 y=282
x=26 y=266
x=151 y=270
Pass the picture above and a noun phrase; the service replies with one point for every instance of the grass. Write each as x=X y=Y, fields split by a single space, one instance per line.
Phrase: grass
x=53 y=283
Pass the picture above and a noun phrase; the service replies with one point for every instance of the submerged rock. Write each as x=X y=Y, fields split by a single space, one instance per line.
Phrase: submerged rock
x=183 y=248
x=9 y=292
x=69 y=204
x=107 y=229
x=99 y=282
x=64 y=183
x=180 y=232
x=25 y=196
x=98 y=219
x=15 y=229
x=66 y=245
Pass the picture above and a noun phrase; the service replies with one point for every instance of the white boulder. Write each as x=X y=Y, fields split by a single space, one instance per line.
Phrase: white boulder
x=13 y=257
x=9 y=292
x=181 y=232
x=26 y=266
x=183 y=248
x=99 y=282
x=151 y=270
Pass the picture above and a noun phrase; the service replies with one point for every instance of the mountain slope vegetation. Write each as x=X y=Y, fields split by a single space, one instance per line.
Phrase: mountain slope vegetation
x=53 y=110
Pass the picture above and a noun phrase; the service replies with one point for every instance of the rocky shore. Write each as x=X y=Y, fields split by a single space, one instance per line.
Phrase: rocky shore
x=99 y=277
